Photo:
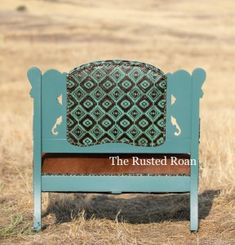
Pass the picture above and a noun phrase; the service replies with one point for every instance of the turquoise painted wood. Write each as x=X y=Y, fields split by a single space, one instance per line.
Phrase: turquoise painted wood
x=49 y=135
x=116 y=184
x=35 y=78
x=198 y=77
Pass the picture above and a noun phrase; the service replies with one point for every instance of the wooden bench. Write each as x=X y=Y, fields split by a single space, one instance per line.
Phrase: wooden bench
x=116 y=126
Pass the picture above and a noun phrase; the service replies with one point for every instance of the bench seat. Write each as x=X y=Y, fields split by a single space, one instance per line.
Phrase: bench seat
x=100 y=164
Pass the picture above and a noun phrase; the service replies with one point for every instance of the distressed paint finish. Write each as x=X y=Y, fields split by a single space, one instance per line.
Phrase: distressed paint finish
x=182 y=136
x=35 y=78
x=198 y=77
x=179 y=85
x=53 y=86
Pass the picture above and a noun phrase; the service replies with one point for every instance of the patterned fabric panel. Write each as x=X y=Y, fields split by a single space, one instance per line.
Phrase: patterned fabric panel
x=116 y=101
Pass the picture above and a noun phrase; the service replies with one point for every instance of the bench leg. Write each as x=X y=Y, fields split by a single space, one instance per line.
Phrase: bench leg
x=194 y=197
x=37 y=194
x=35 y=78
x=194 y=209
x=37 y=210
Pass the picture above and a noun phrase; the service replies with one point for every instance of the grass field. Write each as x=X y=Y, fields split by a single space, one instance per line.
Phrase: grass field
x=169 y=34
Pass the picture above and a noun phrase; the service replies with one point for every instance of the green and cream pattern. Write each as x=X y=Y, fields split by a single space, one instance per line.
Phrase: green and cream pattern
x=116 y=101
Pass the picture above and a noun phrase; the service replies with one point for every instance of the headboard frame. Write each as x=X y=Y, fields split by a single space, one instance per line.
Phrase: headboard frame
x=183 y=92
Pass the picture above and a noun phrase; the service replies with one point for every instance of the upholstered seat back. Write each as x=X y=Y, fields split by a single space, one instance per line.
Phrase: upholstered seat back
x=116 y=101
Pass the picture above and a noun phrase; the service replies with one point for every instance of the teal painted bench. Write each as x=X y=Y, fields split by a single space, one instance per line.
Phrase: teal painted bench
x=116 y=107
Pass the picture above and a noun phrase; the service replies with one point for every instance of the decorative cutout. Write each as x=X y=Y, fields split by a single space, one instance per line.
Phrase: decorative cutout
x=57 y=123
x=174 y=123
x=60 y=99
x=173 y=99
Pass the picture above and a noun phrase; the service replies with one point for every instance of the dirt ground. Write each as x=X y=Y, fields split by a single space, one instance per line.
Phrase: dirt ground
x=170 y=34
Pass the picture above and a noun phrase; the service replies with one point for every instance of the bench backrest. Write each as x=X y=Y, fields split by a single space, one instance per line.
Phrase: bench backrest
x=116 y=102
x=96 y=104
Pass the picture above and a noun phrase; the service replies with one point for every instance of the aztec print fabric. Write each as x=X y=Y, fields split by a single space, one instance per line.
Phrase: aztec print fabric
x=116 y=101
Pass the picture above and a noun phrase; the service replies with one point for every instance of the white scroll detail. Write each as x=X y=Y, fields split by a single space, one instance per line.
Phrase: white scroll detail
x=173 y=99
x=59 y=99
x=174 y=123
x=57 y=123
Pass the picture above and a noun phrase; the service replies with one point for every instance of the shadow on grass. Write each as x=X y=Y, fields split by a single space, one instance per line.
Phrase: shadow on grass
x=131 y=208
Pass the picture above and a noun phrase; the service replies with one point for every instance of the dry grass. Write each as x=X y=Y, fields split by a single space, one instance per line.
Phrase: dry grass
x=170 y=34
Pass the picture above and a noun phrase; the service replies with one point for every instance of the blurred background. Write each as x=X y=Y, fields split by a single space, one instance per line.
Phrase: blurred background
x=169 y=34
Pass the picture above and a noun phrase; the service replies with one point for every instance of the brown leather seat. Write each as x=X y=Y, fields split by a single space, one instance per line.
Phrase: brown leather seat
x=100 y=164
